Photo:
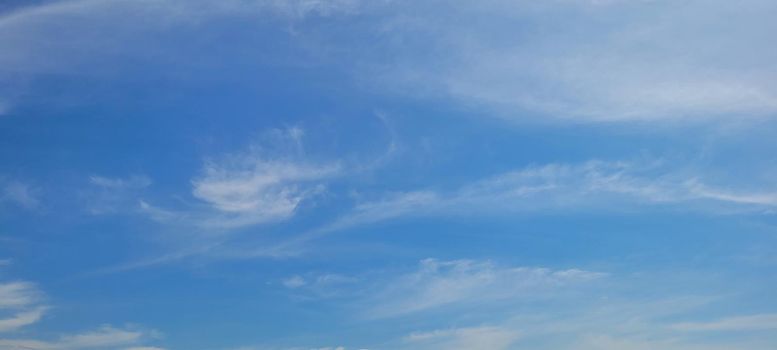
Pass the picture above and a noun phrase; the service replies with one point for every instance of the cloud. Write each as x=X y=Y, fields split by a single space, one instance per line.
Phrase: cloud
x=588 y=61
x=133 y=182
x=616 y=342
x=18 y=294
x=105 y=337
x=21 y=319
x=492 y=338
x=741 y=323
x=591 y=185
x=439 y=283
x=562 y=60
x=632 y=323
x=257 y=186
x=295 y=348
x=294 y=282
x=110 y=195
x=20 y=305
x=595 y=323
x=321 y=286
x=19 y=193
x=253 y=189
x=103 y=36
x=23 y=302
x=248 y=188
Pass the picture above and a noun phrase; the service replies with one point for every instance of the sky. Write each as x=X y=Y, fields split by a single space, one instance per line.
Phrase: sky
x=388 y=174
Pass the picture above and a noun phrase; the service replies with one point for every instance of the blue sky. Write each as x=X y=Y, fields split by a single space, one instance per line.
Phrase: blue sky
x=344 y=175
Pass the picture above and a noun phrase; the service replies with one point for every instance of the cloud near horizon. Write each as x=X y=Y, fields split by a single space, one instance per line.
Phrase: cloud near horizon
x=22 y=305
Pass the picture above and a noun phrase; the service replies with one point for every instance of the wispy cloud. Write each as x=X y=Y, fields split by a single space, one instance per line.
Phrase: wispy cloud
x=611 y=60
x=294 y=282
x=578 y=310
x=319 y=286
x=21 y=319
x=19 y=193
x=105 y=337
x=632 y=324
x=591 y=186
x=439 y=283
x=21 y=304
x=18 y=294
x=587 y=186
x=589 y=60
x=485 y=337
x=740 y=323
x=295 y=348
x=96 y=27
x=110 y=195
x=621 y=342
x=253 y=187
x=132 y=182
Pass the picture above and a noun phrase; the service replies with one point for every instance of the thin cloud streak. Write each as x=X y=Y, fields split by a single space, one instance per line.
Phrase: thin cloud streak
x=484 y=337
x=105 y=337
x=443 y=283
x=589 y=186
x=762 y=322
x=592 y=186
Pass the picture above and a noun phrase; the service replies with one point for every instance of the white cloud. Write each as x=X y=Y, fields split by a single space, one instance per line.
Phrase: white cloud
x=492 y=338
x=19 y=193
x=621 y=342
x=20 y=303
x=598 y=324
x=105 y=337
x=294 y=348
x=438 y=283
x=325 y=286
x=255 y=190
x=739 y=323
x=21 y=319
x=18 y=294
x=592 y=185
x=240 y=191
x=633 y=324
x=599 y=60
x=23 y=302
x=254 y=187
x=768 y=199
x=617 y=60
x=294 y=282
